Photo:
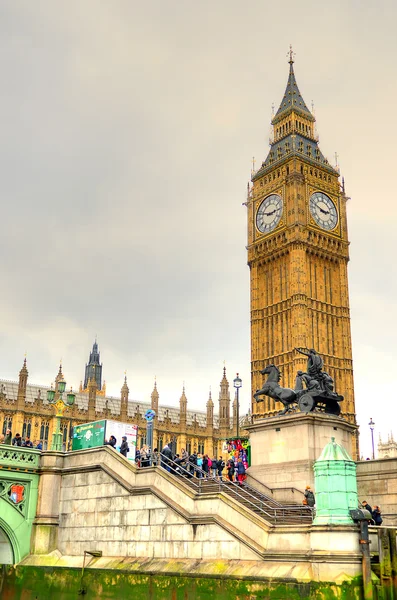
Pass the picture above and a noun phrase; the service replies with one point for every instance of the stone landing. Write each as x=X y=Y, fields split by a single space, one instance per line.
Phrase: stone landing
x=284 y=448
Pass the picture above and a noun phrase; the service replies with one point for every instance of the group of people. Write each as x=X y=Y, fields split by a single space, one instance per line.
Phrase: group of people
x=202 y=466
x=18 y=440
x=375 y=513
x=124 y=447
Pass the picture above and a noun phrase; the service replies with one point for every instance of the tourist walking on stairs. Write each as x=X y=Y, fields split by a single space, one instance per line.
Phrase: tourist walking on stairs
x=240 y=472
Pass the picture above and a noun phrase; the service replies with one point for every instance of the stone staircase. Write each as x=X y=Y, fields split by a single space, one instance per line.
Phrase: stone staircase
x=262 y=505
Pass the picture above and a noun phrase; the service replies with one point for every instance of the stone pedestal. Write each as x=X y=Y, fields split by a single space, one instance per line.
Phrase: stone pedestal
x=284 y=449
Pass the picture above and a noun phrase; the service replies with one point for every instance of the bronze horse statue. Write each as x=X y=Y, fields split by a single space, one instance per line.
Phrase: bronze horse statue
x=272 y=389
x=309 y=398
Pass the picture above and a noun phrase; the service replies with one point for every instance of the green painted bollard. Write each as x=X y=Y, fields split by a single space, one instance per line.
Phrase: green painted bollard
x=336 y=486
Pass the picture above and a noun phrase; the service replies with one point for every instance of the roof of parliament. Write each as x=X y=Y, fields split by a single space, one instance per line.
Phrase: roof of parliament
x=37 y=394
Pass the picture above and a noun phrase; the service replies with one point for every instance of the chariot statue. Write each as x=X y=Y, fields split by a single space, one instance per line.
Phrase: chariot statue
x=314 y=389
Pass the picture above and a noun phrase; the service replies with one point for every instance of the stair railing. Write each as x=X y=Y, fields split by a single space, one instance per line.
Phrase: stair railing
x=256 y=500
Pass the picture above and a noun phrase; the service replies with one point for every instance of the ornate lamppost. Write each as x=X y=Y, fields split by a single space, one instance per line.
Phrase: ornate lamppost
x=60 y=407
x=372 y=427
x=237 y=382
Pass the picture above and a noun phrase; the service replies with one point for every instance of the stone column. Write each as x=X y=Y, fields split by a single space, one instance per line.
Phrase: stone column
x=46 y=523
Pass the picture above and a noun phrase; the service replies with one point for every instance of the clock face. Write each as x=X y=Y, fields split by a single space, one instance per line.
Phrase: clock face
x=269 y=213
x=323 y=210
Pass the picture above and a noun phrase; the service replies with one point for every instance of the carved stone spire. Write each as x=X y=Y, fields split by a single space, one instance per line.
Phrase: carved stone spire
x=124 y=400
x=92 y=389
x=224 y=403
x=210 y=411
x=183 y=407
x=23 y=380
x=155 y=399
x=94 y=368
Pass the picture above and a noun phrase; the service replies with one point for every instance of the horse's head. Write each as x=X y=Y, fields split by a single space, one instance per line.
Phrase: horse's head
x=272 y=371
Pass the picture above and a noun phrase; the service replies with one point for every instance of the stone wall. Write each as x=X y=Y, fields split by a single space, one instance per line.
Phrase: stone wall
x=377 y=484
x=168 y=580
x=106 y=504
x=98 y=513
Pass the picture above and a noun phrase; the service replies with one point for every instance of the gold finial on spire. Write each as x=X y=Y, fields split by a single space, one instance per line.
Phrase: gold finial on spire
x=291 y=55
x=253 y=165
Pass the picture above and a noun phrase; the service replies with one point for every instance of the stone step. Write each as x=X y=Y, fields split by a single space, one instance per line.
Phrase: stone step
x=252 y=499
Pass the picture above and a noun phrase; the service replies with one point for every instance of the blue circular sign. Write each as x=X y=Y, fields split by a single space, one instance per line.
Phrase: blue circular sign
x=149 y=415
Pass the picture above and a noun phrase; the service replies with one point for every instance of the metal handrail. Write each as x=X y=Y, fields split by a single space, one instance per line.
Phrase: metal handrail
x=272 y=490
x=274 y=514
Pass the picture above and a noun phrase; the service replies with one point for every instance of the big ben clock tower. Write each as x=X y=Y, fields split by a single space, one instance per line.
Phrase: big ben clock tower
x=298 y=251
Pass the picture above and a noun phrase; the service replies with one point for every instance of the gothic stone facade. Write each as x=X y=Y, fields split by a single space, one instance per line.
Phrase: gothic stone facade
x=24 y=408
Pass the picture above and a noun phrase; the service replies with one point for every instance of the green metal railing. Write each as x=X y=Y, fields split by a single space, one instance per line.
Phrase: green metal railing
x=17 y=458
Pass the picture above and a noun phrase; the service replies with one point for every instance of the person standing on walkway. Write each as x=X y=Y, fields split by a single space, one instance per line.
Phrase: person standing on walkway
x=309 y=495
x=366 y=506
x=112 y=442
x=8 y=437
x=17 y=440
x=124 y=448
x=377 y=515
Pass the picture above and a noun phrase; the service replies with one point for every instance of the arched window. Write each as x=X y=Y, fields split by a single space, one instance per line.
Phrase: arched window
x=44 y=430
x=27 y=428
x=7 y=424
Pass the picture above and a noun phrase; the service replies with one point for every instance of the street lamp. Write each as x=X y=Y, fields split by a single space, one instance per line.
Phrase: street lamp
x=372 y=427
x=237 y=384
x=60 y=407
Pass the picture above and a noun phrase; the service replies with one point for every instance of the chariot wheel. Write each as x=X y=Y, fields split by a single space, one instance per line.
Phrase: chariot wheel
x=306 y=403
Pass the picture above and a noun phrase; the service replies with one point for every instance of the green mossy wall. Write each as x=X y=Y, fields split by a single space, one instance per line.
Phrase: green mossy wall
x=48 y=583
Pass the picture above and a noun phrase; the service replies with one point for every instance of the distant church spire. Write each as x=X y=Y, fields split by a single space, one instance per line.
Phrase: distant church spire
x=93 y=370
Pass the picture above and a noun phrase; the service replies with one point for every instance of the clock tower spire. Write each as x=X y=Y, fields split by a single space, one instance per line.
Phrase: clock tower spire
x=298 y=254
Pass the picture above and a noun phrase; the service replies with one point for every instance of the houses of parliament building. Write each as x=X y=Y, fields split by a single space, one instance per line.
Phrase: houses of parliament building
x=24 y=409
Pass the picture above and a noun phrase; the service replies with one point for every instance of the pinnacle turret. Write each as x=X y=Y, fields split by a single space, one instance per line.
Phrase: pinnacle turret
x=292 y=99
x=94 y=367
x=293 y=132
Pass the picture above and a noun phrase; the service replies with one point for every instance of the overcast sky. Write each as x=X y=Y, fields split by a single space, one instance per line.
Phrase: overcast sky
x=127 y=131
